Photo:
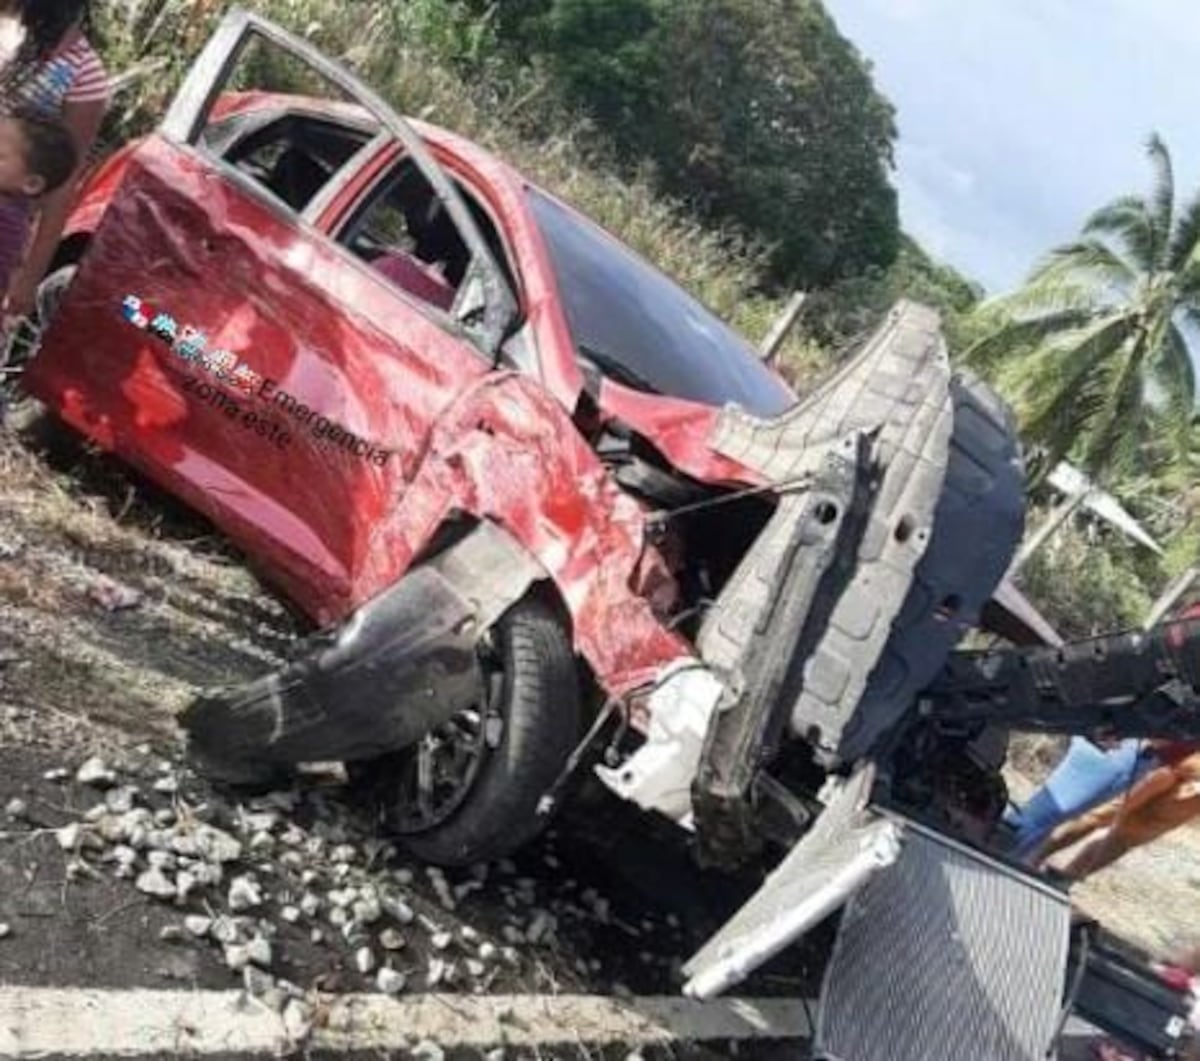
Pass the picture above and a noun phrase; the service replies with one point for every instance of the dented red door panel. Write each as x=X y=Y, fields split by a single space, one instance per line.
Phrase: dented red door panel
x=300 y=419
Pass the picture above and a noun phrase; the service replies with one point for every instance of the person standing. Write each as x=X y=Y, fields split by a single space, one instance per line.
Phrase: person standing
x=52 y=69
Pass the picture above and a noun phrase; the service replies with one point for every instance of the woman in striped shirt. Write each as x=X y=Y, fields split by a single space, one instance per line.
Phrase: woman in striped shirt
x=50 y=67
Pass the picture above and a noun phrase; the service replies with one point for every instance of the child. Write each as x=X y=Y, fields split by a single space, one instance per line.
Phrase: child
x=37 y=157
x=55 y=71
x=37 y=154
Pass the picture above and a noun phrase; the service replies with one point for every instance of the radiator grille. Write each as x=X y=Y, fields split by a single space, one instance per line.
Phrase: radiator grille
x=945 y=956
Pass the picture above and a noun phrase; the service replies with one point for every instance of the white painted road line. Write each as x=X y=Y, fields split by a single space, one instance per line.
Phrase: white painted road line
x=80 y=1022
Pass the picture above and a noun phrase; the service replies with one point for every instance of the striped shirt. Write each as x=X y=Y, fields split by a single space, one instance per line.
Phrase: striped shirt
x=74 y=74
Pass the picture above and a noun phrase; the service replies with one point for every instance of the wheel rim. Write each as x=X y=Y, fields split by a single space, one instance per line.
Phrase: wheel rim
x=430 y=781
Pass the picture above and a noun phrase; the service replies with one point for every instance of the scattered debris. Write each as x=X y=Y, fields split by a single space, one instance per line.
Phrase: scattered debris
x=244 y=894
x=198 y=925
x=241 y=872
x=397 y=909
x=155 y=882
x=254 y=952
x=389 y=981
x=391 y=940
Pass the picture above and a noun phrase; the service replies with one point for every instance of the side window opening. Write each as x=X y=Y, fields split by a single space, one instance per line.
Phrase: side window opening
x=404 y=232
x=252 y=74
x=280 y=123
x=294 y=156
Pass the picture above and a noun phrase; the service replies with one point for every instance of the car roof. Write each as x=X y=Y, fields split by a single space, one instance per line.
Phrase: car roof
x=234 y=103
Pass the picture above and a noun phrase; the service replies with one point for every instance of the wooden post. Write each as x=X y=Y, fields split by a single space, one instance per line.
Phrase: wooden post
x=1058 y=516
x=1170 y=597
x=779 y=330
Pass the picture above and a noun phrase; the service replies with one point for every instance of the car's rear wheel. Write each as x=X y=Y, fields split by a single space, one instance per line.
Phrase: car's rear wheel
x=469 y=791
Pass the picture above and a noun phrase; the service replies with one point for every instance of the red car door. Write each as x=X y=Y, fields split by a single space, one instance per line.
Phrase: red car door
x=237 y=355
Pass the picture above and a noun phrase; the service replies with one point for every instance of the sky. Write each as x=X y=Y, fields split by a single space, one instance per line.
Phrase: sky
x=1018 y=118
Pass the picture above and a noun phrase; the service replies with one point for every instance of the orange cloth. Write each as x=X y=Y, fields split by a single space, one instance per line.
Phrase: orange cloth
x=1164 y=799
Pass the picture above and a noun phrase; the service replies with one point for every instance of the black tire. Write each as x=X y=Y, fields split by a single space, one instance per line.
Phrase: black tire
x=539 y=701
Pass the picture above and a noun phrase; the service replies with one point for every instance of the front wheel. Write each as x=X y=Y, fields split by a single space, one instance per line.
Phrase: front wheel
x=469 y=791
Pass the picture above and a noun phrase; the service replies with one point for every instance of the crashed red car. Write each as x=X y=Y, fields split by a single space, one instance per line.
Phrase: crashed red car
x=546 y=511
x=513 y=473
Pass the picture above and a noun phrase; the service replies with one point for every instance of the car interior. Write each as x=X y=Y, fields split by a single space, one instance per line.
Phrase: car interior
x=294 y=156
x=402 y=229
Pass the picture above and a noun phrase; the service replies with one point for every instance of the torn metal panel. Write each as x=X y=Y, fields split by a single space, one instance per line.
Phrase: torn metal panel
x=508 y=453
x=397 y=668
x=784 y=591
x=946 y=955
x=977 y=525
x=848 y=845
x=897 y=391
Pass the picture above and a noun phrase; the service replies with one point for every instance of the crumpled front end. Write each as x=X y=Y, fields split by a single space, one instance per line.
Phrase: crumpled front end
x=900 y=503
x=850 y=598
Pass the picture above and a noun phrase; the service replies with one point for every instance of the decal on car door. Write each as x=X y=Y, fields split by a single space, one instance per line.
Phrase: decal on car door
x=191 y=344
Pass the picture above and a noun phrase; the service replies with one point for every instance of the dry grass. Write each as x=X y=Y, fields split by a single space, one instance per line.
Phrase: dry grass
x=72 y=524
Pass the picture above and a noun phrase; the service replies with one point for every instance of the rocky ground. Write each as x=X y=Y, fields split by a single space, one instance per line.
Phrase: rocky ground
x=119 y=867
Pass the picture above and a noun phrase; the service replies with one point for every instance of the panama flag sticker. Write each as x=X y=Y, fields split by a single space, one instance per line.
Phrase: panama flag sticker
x=135 y=311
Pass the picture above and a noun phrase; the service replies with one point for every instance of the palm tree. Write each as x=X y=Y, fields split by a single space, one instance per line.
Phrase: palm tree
x=1094 y=349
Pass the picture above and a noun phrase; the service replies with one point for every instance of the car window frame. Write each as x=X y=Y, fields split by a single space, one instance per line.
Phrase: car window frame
x=349 y=211
x=485 y=309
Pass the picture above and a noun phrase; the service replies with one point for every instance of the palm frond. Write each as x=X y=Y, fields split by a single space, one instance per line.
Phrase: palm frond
x=1013 y=335
x=1065 y=382
x=1122 y=400
x=1185 y=241
x=1162 y=198
x=1173 y=371
x=1048 y=291
x=1128 y=219
x=1085 y=263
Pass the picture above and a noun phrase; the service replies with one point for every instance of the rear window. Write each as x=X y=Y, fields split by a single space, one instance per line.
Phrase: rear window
x=641 y=329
